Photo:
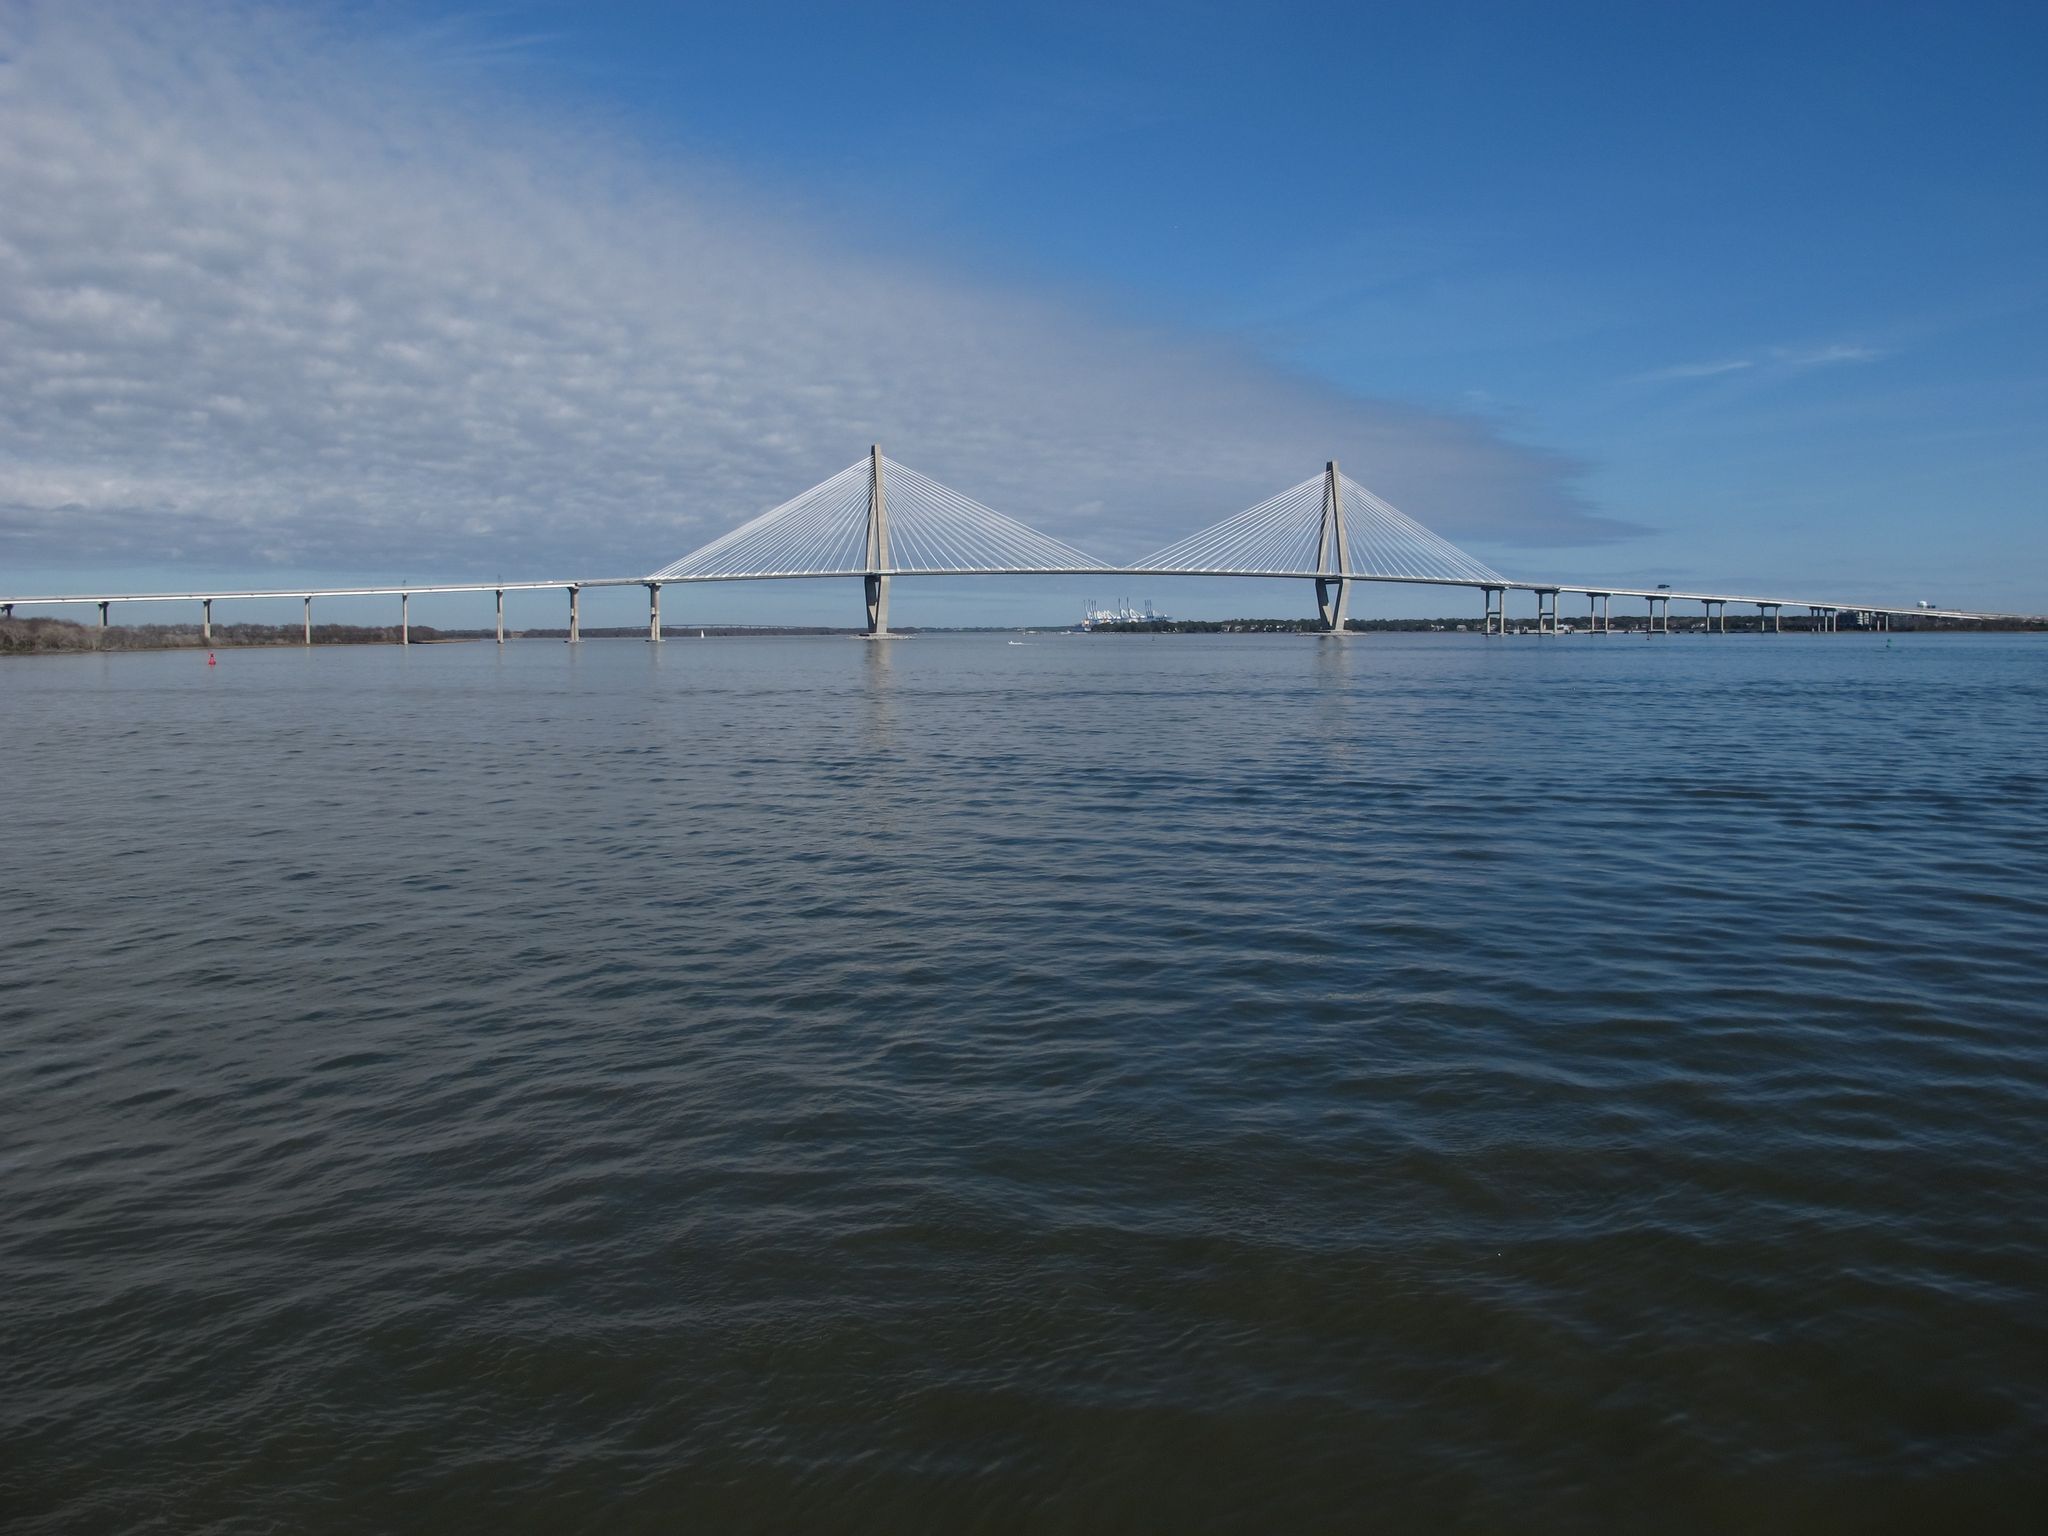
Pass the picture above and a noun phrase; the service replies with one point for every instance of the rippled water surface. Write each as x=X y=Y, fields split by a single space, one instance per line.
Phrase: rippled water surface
x=1240 y=1083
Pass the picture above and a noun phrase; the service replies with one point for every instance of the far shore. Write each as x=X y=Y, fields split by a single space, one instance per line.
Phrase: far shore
x=66 y=637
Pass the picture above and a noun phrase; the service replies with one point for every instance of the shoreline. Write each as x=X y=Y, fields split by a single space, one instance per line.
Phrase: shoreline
x=63 y=637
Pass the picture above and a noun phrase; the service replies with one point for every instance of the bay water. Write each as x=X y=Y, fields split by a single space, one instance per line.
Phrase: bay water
x=1067 y=1083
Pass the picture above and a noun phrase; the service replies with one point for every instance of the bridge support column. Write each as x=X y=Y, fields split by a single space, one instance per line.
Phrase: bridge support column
x=1496 y=610
x=405 y=618
x=877 y=582
x=6 y=610
x=1333 y=553
x=501 y=615
x=309 y=621
x=654 y=612
x=103 y=614
x=206 y=621
x=1333 y=599
x=575 y=616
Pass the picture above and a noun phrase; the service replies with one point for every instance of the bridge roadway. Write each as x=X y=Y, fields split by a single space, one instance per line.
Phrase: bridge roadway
x=1547 y=617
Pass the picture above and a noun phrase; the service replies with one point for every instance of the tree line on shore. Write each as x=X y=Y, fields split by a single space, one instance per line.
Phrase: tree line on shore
x=40 y=636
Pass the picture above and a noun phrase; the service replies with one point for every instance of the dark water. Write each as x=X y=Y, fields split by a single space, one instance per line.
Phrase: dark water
x=1101 y=1084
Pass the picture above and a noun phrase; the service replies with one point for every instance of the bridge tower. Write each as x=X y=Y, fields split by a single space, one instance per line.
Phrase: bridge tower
x=1333 y=553
x=877 y=547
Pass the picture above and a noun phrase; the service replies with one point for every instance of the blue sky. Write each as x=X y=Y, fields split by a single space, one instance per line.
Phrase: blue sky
x=1744 y=295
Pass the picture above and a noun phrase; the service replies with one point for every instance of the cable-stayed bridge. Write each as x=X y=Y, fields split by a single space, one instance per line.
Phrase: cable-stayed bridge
x=877 y=520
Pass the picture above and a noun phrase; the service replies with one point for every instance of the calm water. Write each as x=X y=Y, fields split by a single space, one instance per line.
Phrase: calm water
x=1409 y=1084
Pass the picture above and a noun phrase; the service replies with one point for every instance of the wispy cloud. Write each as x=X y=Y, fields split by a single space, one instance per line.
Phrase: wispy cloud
x=1701 y=370
x=262 y=297
x=1823 y=357
x=1778 y=358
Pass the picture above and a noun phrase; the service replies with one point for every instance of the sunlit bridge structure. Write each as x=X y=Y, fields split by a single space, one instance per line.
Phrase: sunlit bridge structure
x=877 y=520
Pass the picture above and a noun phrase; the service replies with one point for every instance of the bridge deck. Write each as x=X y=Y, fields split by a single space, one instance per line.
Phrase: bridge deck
x=562 y=584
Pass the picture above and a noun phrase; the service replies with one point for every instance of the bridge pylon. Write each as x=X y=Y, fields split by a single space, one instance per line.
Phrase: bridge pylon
x=1333 y=553
x=877 y=582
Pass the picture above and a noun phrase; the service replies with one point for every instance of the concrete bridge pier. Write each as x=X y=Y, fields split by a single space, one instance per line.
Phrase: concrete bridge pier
x=309 y=620
x=1333 y=554
x=103 y=614
x=1333 y=603
x=501 y=615
x=575 y=616
x=405 y=618
x=6 y=610
x=1496 y=610
x=654 y=612
x=877 y=582
x=1546 y=611
x=206 y=620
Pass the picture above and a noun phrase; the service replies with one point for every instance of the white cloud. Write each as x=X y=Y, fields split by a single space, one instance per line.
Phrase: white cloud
x=265 y=298
x=1822 y=357
x=1701 y=370
x=1780 y=358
